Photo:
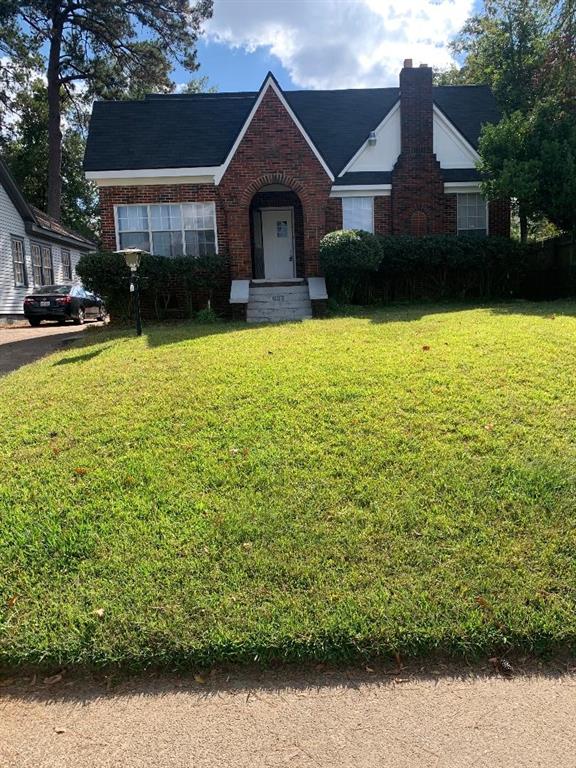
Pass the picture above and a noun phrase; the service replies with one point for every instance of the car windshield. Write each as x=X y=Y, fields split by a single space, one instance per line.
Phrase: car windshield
x=60 y=289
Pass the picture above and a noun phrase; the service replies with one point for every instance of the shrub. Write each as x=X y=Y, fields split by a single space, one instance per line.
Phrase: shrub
x=361 y=268
x=206 y=316
x=347 y=257
x=183 y=284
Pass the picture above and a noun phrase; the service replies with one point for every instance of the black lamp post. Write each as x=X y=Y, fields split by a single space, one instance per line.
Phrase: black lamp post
x=132 y=257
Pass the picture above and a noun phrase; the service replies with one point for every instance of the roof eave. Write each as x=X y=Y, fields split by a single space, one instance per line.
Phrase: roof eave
x=35 y=230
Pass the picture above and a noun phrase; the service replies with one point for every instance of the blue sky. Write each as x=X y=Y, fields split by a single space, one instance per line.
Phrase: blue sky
x=324 y=43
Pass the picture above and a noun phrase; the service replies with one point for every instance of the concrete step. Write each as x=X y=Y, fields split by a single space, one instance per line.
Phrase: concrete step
x=278 y=302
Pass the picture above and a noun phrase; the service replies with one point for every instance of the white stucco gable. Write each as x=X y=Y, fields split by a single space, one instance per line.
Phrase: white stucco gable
x=452 y=150
x=382 y=155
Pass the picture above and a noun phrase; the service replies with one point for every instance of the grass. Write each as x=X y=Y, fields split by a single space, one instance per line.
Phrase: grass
x=396 y=481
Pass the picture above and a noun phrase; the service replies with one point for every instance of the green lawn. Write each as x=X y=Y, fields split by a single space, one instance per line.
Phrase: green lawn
x=399 y=480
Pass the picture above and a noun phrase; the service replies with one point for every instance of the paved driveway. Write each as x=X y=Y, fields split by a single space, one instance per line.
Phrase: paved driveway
x=300 y=720
x=20 y=346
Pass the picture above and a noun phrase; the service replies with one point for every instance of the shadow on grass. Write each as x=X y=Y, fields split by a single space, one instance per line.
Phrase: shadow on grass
x=158 y=334
x=81 y=358
x=411 y=312
x=78 y=686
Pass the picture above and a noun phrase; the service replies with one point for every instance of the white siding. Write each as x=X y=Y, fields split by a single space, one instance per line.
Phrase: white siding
x=12 y=225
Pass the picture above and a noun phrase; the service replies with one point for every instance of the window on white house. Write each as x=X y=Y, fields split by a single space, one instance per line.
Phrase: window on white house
x=358 y=213
x=42 y=267
x=472 y=218
x=168 y=230
x=18 y=262
x=66 y=264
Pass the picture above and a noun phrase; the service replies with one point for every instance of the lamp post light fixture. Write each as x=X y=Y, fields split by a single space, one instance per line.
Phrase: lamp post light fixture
x=132 y=257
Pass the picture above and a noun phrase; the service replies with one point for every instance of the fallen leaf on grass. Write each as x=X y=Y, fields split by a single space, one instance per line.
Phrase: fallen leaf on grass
x=80 y=471
x=11 y=602
x=99 y=612
x=483 y=603
x=53 y=679
x=425 y=348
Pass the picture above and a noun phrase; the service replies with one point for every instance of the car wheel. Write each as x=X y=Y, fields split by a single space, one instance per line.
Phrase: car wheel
x=34 y=322
x=79 y=319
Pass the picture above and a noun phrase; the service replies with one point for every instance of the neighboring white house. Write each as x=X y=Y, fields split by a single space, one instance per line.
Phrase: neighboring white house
x=35 y=249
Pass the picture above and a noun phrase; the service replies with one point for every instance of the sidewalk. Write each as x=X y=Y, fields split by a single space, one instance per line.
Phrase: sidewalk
x=317 y=718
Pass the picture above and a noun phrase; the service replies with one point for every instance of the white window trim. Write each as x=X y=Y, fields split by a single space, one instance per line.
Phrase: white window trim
x=24 y=283
x=486 y=202
x=69 y=265
x=182 y=230
x=40 y=246
x=370 y=197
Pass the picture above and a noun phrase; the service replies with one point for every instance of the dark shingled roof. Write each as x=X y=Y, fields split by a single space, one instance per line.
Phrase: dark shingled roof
x=37 y=222
x=460 y=174
x=191 y=130
x=364 y=177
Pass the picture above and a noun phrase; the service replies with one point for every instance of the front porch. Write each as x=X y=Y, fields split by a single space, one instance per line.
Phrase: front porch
x=280 y=279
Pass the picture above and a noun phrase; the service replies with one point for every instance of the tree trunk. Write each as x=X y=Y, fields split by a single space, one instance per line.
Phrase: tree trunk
x=523 y=226
x=54 y=129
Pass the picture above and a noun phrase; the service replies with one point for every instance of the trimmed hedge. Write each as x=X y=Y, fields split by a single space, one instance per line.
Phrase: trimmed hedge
x=363 y=268
x=168 y=286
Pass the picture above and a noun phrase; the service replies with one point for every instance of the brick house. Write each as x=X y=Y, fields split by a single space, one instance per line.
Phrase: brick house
x=262 y=177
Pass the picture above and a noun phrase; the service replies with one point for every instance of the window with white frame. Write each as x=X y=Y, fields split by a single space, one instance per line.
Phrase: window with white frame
x=18 y=262
x=43 y=270
x=182 y=229
x=358 y=213
x=472 y=219
x=66 y=262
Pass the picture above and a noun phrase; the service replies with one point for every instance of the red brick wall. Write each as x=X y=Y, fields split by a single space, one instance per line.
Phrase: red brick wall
x=334 y=214
x=418 y=202
x=416 y=114
x=382 y=215
x=499 y=218
x=273 y=151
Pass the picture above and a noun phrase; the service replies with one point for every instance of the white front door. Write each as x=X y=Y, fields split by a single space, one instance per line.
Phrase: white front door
x=277 y=242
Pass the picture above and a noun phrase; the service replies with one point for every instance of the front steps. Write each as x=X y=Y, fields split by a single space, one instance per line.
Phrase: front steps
x=275 y=302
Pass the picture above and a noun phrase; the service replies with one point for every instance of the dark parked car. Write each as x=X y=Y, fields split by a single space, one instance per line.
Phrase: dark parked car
x=61 y=303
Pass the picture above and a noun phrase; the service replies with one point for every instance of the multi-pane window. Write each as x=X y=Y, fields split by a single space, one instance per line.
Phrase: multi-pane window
x=66 y=262
x=182 y=229
x=358 y=213
x=471 y=214
x=18 y=262
x=42 y=268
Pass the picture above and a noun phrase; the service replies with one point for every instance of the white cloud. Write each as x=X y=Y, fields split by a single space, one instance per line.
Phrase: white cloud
x=342 y=43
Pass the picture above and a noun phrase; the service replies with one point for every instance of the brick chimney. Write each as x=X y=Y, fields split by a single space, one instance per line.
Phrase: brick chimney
x=416 y=108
